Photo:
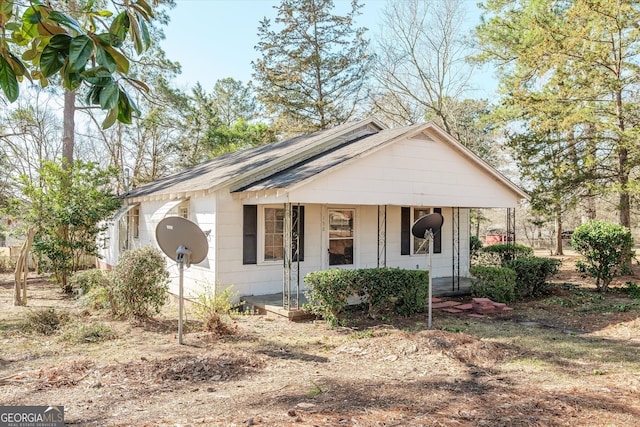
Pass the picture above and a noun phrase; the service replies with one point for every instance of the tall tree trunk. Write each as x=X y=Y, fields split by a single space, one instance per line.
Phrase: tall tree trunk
x=559 y=250
x=68 y=131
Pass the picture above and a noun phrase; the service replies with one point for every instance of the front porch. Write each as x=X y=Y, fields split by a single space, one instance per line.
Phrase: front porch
x=272 y=303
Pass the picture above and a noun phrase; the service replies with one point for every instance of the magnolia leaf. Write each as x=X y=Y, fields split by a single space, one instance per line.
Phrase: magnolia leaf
x=108 y=39
x=8 y=81
x=45 y=29
x=65 y=20
x=70 y=79
x=139 y=85
x=6 y=8
x=111 y=118
x=147 y=8
x=136 y=37
x=146 y=37
x=18 y=67
x=80 y=51
x=13 y=26
x=32 y=15
x=122 y=63
x=97 y=73
x=120 y=25
x=109 y=97
x=51 y=61
x=126 y=108
x=60 y=42
x=105 y=59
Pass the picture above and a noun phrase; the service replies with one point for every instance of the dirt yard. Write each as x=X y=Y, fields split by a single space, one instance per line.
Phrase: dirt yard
x=571 y=358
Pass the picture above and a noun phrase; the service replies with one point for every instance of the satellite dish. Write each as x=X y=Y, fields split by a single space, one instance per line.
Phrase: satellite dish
x=431 y=222
x=183 y=241
x=175 y=232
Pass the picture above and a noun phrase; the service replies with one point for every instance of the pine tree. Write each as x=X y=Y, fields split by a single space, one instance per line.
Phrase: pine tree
x=313 y=66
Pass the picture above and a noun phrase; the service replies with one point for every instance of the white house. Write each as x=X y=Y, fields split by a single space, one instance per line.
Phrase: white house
x=339 y=198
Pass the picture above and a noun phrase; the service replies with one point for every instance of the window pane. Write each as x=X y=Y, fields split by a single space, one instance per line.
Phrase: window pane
x=341 y=252
x=340 y=223
x=273 y=227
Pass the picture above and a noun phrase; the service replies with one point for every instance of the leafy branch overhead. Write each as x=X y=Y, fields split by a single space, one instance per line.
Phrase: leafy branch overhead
x=38 y=42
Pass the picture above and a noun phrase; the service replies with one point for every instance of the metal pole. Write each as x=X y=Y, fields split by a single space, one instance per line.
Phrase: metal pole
x=429 y=235
x=180 y=293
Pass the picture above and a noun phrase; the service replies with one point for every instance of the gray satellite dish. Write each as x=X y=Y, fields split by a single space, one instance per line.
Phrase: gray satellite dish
x=426 y=227
x=184 y=242
x=425 y=223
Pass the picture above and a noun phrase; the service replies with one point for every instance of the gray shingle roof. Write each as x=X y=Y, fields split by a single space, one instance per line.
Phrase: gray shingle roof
x=233 y=166
x=327 y=159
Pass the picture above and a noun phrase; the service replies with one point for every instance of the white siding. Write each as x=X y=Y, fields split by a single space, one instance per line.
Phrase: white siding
x=412 y=172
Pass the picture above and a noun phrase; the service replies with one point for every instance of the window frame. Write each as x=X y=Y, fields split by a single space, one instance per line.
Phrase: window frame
x=261 y=233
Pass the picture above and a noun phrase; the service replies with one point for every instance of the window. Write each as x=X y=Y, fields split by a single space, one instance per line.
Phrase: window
x=184 y=212
x=271 y=228
x=412 y=245
x=341 y=236
x=273 y=233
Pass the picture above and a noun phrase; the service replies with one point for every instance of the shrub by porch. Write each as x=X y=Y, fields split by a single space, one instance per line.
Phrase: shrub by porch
x=404 y=291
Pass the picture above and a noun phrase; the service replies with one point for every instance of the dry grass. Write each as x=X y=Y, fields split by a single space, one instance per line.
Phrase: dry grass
x=568 y=359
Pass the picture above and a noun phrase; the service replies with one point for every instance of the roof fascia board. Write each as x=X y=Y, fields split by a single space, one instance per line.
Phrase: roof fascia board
x=357 y=129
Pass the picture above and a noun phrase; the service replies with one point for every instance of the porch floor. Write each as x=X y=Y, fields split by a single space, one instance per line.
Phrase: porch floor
x=272 y=303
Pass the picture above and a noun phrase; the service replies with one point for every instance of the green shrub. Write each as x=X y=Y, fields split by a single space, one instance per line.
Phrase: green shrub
x=532 y=274
x=327 y=293
x=606 y=249
x=404 y=291
x=100 y=298
x=83 y=281
x=631 y=289
x=212 y=307
x=140 y=283
x=92 y=333
x=505 y=252
x=46 y=321
x=495 y=283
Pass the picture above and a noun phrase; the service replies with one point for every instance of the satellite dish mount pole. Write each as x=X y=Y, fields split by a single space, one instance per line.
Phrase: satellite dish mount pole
x=428 y=234
x=183 y=256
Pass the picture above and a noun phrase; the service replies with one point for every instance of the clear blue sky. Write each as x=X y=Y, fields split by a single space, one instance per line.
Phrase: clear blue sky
x=214 y=39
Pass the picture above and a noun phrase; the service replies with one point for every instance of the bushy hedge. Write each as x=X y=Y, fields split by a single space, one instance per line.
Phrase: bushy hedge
x=495 y=283
x=505 y=252
x=140 y=283
x=606 y=248
x=405 y=291
x=532 y=274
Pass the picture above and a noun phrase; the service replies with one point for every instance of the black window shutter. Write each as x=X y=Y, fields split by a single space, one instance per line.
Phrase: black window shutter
x=437 y=239
x=250 y=234
x=405 y=231
x=298 y=214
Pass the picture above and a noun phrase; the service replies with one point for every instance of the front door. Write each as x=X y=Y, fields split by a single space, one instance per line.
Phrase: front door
x=341 y=236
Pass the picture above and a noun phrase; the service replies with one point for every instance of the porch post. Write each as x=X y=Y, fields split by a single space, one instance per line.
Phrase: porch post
x=455 y=248
x=291 y=257
x=511 y=229
x=382 y=236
